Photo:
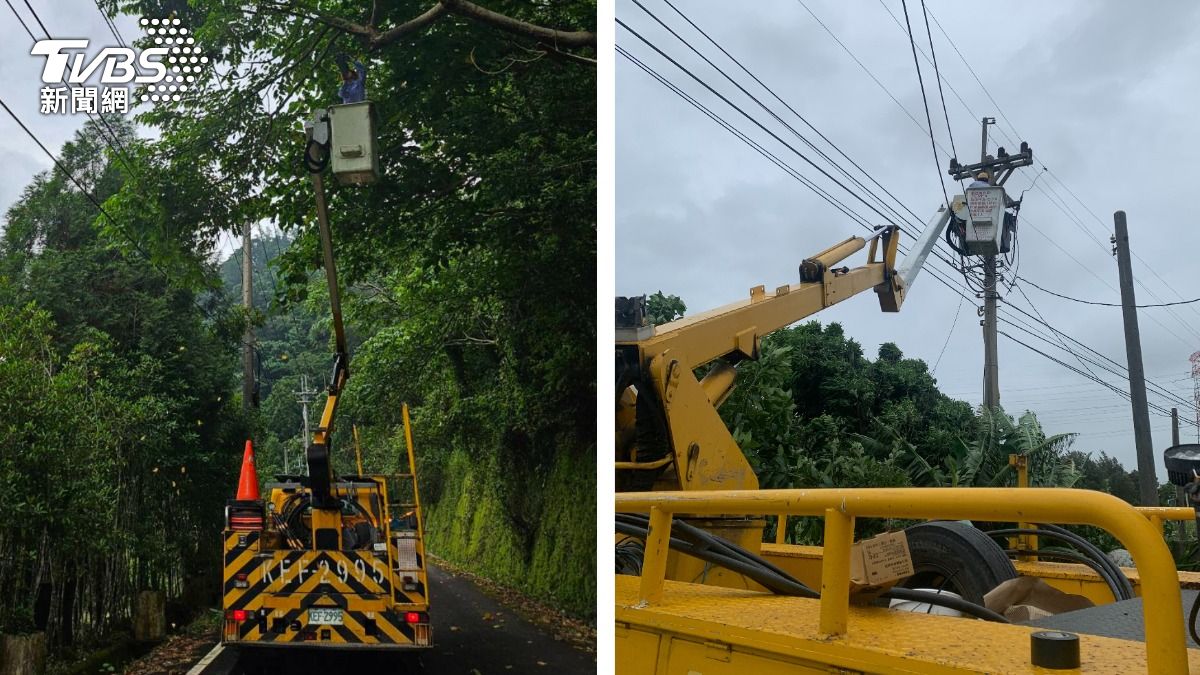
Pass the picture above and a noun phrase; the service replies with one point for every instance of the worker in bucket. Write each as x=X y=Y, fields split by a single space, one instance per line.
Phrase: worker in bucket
x=354 y=82
x=981 y=180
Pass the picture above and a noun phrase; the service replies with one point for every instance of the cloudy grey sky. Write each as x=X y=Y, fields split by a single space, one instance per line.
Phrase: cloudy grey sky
x=1104 y=92
x=20 y=82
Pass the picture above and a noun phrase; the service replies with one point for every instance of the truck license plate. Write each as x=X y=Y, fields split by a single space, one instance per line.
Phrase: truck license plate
x=325 y=617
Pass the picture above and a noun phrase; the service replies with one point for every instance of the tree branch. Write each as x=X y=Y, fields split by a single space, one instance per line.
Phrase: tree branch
x=555 y=39
x=558 y=38
x=411 y=26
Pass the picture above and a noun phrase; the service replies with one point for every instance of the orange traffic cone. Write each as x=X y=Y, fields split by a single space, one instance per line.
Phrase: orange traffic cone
x=248 y=482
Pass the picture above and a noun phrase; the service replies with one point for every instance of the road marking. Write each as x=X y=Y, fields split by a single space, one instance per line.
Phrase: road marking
x=207 y=660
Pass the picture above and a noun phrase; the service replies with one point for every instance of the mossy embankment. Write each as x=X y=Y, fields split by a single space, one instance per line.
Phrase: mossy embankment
x=538 y=536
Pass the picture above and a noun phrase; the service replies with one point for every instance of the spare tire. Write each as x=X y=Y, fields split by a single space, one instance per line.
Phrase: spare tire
x=956 y=557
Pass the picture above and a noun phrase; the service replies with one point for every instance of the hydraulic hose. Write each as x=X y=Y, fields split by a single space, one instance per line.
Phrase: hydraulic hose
x=1074 y=557
x=315 y=165
x=1095 y=552
x=1116 y=579
x=948 y=601
x=724 y=553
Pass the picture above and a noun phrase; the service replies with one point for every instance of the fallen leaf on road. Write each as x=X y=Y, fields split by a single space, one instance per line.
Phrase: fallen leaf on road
x=541 y=663
x=453 y=628
x=487 y=616
x=579 y=633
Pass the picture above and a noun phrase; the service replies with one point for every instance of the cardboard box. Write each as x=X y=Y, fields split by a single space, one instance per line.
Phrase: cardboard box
x=876 y=564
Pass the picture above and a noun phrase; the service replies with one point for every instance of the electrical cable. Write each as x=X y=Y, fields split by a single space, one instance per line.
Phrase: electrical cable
x=973 y=74
x=1105 y=304
x=938 y=76
x=1118 y=582
x=1153 y=406
x=736 y=559
x=1045 y=323
x=750 y=118
x=119 y=152
x=928 y=120
x=1103 y=227
x=868 y=72
x=20 y=20
x=730 y=127
x=948 y=335
x=1070 y=557
x=112 y=26
x=1109 y=365
x=1069 y=213
x=791 y=109
x=1093 y=551
x=1192 y=619
x=743 y=137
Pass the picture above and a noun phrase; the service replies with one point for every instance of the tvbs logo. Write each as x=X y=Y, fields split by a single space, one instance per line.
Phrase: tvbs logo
x=166 y=70
x=120 y=64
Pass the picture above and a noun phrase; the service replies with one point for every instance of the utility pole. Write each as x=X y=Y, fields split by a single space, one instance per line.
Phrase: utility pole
x=248 y=401
x=1147 y=482
x=991 y=366
x=1180 y=495
x=305 y=397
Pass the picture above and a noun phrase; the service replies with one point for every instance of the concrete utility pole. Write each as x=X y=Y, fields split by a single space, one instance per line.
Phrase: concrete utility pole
x=1147 y=482
x=248 y=401
x=305 y=397
x=1180 y=495
x=991 y=366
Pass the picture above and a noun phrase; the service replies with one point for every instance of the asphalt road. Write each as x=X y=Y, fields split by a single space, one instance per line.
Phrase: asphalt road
x=473 y=634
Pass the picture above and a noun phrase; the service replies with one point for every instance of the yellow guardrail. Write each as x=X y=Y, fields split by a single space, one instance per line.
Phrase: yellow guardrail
x=1161 y=603
x=1156 y=514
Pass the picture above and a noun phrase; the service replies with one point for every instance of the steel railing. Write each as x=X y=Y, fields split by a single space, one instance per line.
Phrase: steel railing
x=1162 y=606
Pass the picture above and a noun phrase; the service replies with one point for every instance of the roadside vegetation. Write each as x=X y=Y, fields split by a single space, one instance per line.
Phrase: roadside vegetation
x=815 y=411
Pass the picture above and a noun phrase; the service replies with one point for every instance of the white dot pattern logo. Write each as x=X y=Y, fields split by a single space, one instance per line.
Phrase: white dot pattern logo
x=183 y=59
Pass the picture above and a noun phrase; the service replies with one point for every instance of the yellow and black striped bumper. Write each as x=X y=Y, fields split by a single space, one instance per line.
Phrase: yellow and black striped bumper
x=268 y=596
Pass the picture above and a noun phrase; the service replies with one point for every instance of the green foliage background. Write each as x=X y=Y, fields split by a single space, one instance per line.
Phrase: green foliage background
x=814 y=411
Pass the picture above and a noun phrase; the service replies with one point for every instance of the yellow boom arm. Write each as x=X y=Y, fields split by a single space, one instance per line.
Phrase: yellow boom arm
x=665 y=416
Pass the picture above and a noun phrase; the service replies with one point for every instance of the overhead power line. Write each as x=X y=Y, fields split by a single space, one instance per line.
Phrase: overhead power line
x=774 y=159
x=1105 y=304
x=120 y=152
x=937 y=165
x=20 y=20
x=892 y=211
x=751 y=118
x=112 y=26
x=791 y=109
x=1159 y=409
x=938 y=77
x=868 y=72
